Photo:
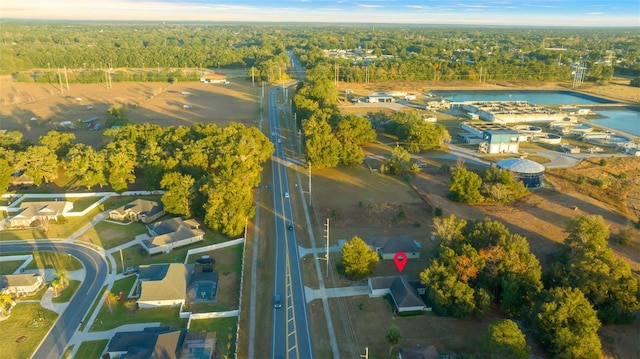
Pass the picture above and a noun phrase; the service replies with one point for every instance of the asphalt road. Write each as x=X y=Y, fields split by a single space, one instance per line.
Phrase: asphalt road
x=291 y=336
x=54 y=344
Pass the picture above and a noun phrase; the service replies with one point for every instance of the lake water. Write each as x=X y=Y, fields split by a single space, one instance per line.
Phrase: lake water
x=533 y=97
x=623 y=120
x=627 y=120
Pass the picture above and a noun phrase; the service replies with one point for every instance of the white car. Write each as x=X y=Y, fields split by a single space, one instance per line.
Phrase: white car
x=286 y=195
x=279 y=140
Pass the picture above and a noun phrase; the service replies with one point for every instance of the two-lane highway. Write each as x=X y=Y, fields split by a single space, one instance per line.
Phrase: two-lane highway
x=54 y=344
x=291 y=336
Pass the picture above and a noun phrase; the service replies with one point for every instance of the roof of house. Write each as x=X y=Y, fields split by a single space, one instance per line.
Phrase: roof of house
x=404 y=294
x=33 y=209
x=172 y=230
x=419 y=352
x=393 y=244
x=141 y=206
x=18 y=280
x=151 y=343
x=172 y=286
x=382 y=282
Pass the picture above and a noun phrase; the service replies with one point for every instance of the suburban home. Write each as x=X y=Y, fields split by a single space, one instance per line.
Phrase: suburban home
x=30 y=212
x=139 y=210
x=199 y=346
x=20 y=284
x=388 y=246
x=405 y=293
x=418 y=352
x=150 y=343
x=162 y=285
x=172 y=233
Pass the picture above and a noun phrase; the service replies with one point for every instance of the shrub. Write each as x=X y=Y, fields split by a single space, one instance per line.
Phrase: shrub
x=603 y=162
x=623 y=176
x=581 y=179
x=437 y=212
x=623 y=237
x=603 y=183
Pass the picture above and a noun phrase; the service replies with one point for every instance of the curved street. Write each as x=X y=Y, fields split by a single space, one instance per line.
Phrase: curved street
x=54 y=344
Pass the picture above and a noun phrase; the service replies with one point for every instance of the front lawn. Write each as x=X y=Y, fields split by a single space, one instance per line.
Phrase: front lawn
x=8 y=267
x=66 y=295
x=108 y=235
x=91 y=349
x=225 y=329
x=27 y=320
x=54 y=260
x=167 y=316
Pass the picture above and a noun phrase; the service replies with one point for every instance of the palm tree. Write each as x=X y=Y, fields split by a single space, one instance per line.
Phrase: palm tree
x=63 y=277
x=55 y=285
x=392 y=336
x=6 y=303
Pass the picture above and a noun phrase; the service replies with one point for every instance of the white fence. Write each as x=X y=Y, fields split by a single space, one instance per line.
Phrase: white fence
x=213 y=247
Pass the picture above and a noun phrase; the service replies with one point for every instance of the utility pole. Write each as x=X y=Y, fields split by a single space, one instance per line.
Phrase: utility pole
x=122 y=260
x=66 y=79
x=336 y=74
x=309 y=182
x=480 y=74
x=60 y=79
x=326 y=256
x=252 y=77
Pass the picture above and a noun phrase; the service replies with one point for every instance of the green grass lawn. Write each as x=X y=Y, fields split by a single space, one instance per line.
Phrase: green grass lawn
x=8 y=267
x=108 y=235
x=91 y=349
x=167 y=316
x=123 y=285
x=54 y=260
x=93 y=308
x=225 y=329
x=30 y=320
x=65 y=295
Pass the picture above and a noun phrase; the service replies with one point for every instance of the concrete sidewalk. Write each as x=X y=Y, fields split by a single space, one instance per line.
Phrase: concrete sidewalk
x=312 y=294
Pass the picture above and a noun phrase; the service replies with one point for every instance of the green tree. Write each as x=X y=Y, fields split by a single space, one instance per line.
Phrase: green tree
x=179 y=193
x=465 y=186
x=505 y=340
x=566 y=324
x=121 y=161
x=356 y=129
x=60 y=143
x=586 y=234
x=117 y=115
x=39 y=163
x=228 y=206
x=392 y=336
x=87 y=165
x=63 y=277
x=5 y=175
x=449 y=228
x=358 y=260
x=398 y=162
x=501 y=186
x=56 y=285
x=323 y=148
x=6 y=303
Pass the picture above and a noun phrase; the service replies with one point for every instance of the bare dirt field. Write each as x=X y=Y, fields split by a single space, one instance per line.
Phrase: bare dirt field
x=153 y=102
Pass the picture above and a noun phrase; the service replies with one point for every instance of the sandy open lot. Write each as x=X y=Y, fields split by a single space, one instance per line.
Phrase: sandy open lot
x=160 y=103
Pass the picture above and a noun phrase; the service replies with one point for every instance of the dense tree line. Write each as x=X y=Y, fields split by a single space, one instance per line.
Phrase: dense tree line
x=207 y=171
x=481 y=262
x=330 y=138
x=411 y=52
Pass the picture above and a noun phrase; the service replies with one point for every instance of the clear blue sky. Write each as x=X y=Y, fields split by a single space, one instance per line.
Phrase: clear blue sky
x=481 y=12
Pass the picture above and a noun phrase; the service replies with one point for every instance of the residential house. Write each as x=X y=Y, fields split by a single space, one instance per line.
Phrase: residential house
x=388 y=246
x=139 y=210
x=418 y=352
x=405 y=293
x=150 y=343
x=162 y=285
x=31 y=212
x=20 y=284
x=172 y=233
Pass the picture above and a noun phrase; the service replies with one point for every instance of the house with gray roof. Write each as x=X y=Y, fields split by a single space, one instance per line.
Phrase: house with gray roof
x=418 y=352
x=140 y=210
x=150 y=343
x=173 y=233
x=20 y=284
x=37 y=212
x=404 y=292
x=161 y=285
x=388 y=246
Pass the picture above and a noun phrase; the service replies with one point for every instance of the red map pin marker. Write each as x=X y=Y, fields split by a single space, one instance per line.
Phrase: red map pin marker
x=400 y=259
